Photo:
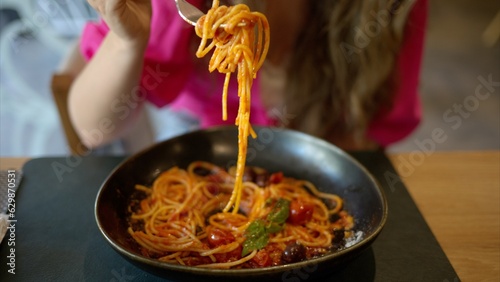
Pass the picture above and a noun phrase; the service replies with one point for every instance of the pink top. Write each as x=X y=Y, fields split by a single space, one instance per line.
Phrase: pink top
x=169 y=75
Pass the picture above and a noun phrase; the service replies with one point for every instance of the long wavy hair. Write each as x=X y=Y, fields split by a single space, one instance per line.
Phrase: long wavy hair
x=342 y=71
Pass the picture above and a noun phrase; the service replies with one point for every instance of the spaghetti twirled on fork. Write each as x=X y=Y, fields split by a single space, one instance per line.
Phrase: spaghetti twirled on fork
x=239 y=39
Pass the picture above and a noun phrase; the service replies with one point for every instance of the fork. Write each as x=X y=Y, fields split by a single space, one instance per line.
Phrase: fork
x=188 y=12
x=191 y=14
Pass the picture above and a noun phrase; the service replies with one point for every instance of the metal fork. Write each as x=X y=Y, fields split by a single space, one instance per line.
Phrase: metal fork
x=188 y=12
x=191 y=14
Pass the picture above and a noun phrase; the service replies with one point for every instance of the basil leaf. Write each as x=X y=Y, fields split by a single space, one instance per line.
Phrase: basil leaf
x=257 y=233
x=255 y=228
x=256 y=237
x=273 y=227
x=279 y=213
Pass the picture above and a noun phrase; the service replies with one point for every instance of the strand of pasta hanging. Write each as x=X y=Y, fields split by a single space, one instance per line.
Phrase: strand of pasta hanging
x=239 y=39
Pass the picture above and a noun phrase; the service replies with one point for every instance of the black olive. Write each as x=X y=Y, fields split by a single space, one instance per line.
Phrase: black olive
x=294 y=252
x=262 y=179
x=256 y=175
x=338 y=236
x=334 y=217
x=330 y=204
x=201 y=171
x=338 y=241
x=249 y=174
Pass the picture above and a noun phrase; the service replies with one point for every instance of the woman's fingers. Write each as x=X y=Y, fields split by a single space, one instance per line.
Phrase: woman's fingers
x=129 y=19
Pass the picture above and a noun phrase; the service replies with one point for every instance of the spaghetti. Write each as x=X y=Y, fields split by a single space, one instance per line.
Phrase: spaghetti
x=239 y=40
x=179 y=219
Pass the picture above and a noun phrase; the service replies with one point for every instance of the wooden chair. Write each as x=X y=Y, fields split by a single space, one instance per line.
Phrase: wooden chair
x=60 y=85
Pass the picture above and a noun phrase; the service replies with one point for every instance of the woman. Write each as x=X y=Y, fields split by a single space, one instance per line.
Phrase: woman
x=346 y=71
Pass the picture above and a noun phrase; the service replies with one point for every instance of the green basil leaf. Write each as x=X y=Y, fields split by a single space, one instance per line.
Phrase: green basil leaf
x=273 y=227
x=256 y=237
x=257 y=233
x=255 y=228
x=279 y=213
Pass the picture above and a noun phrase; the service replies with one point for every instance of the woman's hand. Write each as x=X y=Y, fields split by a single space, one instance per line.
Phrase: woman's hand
x=130 y=20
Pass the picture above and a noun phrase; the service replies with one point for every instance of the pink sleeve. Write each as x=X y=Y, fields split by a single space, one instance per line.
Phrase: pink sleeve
x=168 y=58
x=406 y=113
x=92 y=36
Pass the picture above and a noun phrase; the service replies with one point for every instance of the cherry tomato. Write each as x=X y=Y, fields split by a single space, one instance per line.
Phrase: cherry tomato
x=300 y=212
x=217 y=237
x=276 y=177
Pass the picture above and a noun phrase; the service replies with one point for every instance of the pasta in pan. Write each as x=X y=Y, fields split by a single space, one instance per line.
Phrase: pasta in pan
x=281 y=220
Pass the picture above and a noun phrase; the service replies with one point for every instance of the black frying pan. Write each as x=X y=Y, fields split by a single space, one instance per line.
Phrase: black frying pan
x=295 y=154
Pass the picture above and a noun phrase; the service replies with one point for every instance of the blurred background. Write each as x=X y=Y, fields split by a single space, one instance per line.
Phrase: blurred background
x=460 y=81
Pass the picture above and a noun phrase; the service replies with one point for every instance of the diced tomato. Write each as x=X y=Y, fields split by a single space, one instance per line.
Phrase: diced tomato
x=145 y=252
x=213 y=188
x=217 y=237
x=261 y=259
x=276 y=177
x=300 y=212
x=233 y=255
x=274 y=253
x=197 y=260
x=216 y=178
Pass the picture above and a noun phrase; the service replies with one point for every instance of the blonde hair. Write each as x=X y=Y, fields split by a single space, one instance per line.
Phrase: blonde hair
x=343 y=69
